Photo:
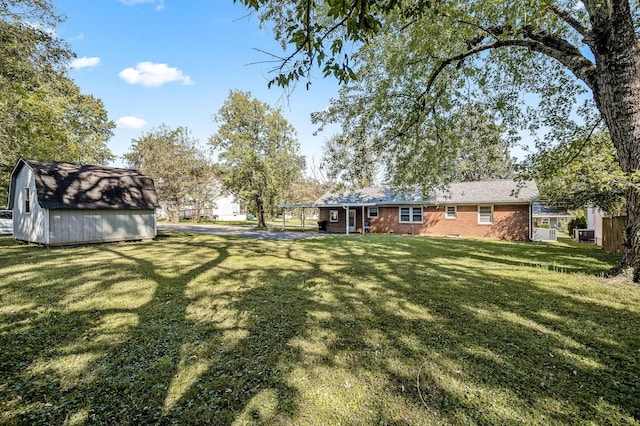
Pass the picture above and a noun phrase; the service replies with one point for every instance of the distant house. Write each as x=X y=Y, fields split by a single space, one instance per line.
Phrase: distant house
x=223 y=207
x=499 y=209
x=61 y=203
x=546 y=216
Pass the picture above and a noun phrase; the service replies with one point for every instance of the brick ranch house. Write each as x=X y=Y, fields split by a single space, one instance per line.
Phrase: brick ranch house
x=500 y=209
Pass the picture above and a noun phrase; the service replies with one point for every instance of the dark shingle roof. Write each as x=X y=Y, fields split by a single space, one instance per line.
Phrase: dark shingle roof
x=489 y=192
x=73 y=186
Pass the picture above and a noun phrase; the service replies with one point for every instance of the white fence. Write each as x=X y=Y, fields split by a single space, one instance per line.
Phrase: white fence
x=545 y=234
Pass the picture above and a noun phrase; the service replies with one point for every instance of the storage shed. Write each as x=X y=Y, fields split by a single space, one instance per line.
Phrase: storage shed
x=62 y=203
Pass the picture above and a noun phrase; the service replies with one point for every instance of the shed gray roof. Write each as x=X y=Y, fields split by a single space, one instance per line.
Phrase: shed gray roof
x=481 y=192
x=73 y=186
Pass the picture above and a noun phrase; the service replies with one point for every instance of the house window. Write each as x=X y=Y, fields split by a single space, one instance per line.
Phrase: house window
x=372 y=212
x=333 y=215
x=450 y=212
x=27 y=200
x=411 y=214
x=485 y=215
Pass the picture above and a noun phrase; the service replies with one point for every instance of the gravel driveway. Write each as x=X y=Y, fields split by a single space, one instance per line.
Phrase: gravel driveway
x=238 y=231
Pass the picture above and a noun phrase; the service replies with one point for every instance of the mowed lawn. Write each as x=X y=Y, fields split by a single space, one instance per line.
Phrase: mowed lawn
x=375 y=329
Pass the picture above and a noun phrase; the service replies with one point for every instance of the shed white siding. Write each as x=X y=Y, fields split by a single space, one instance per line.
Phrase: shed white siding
x=81 y=226
x=86 y=226
x=28 y=226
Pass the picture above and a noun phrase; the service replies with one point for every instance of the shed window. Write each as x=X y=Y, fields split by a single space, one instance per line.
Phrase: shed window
x=333 y=215
x=372 y=212
x=450 y=212
x=485 y=215
x=411 y=214
x=27 y=200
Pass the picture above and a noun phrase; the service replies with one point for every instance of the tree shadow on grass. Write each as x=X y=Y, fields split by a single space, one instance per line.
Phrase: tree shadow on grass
x=491 y=348
x=191 y=351
x=335 y=330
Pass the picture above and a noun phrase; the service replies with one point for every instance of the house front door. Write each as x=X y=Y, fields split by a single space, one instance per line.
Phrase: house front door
x=352 y=220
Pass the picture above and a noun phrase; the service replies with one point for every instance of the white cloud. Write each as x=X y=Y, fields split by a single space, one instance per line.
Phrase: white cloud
x=159 y=3
x=150 y=74
x=130 y=122
x=84 y=62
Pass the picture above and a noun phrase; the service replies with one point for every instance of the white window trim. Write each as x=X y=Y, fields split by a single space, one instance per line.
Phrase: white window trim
x=27 y=200
x=446 y=212
x=331 y=219
x=479 y=216
x=410 y=214
x=369 y=212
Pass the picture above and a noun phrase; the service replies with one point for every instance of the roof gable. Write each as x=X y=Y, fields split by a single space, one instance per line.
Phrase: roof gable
x=73 y=186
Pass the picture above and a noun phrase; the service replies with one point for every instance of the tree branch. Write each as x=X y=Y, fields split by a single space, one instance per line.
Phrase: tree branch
x=586 y=140
x=535 y=39
x=573 y=22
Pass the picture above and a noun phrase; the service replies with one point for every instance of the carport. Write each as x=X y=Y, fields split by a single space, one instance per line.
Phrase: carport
x=301 y=206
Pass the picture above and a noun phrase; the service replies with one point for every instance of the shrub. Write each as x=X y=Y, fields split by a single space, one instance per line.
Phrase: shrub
x=579 y=222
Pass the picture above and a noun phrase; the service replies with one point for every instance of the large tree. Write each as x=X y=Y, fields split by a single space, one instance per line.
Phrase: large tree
x=43 y=114
x=178 y=166
x=483 y=51
x=259 y=154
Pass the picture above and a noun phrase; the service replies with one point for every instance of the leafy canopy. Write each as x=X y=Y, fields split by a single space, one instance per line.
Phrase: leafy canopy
x=582 y=173
x=430 y=82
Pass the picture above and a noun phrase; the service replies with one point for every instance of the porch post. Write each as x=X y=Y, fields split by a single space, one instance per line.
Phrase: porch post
x=346 y=217
x=363 y=220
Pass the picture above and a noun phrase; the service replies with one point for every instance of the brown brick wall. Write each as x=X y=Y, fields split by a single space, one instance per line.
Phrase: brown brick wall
x=341 y=225
x=510 y=222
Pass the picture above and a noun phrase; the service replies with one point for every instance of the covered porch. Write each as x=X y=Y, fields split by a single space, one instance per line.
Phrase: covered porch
x=347 y=218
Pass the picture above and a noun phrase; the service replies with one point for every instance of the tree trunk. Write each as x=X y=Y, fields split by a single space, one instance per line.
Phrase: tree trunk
x=617 y=95
x=259 y=204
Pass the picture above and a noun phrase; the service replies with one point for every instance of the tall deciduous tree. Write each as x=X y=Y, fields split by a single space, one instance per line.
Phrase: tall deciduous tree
x=479 y=51
x=43 y=114
x=259 y=154
x=175 y=162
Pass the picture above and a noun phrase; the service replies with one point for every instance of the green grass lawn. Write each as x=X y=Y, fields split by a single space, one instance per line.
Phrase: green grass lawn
x=375 y=329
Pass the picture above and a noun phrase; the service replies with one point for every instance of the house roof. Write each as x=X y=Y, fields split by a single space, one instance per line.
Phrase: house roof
x=74 y=186
x=491 y=191
x=370 y=196
x=542 y=210
x=503 y=191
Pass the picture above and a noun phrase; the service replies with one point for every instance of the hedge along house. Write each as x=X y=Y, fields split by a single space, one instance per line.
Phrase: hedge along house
x=500 y=209
x=61 y=203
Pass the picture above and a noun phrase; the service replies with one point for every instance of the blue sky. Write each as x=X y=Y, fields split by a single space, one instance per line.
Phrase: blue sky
x=174 y=62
